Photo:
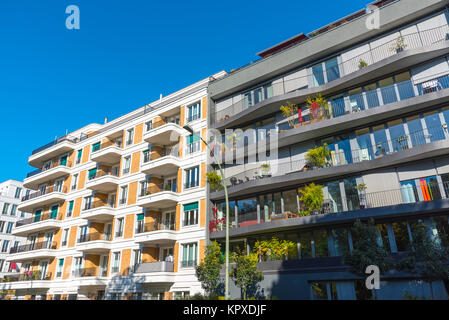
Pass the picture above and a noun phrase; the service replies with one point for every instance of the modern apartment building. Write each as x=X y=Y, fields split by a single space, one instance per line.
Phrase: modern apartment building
x=11 y=192
x=385 y=122
x=118 y=209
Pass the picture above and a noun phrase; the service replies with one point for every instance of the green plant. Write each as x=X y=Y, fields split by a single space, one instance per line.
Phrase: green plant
x=312 y=198
x=233 y=138
x=409 y=296
x=208 y=271
x=274 y=249
x=319 y=156
x=288 y=111
x=265 y=167
x=245 y=273
x=214 y=180
x=361 y=187
x=363 y=64
x=316 y=105
x=399 y=45
x=428 y=257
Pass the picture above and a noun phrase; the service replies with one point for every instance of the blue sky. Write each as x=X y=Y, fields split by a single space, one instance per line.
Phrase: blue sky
x=125 y=55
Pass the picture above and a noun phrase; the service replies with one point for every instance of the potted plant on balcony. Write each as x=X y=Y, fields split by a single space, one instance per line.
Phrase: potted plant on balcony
x=399 y=45
x=274 y=249
x=214 y=180
x=361 y=188
x=265 y=167
x=318 y=108
x=362 y=64
x=318 y=157
x=288 y=111
x=312 y=199
x=403 y=142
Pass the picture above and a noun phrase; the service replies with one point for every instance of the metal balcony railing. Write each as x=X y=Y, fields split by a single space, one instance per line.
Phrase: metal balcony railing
x=57 y=141
x=27 y=276
x=86 y=272
x=163 y=122
x=38 y=218
x=34 y=246
x=167 y=151
x=107 y=144
x=98 y=204
x=411 y=41
x=156 y=188
x=103 y=173
x=47 y=190
x=154 y=226
x=95 y=236
x=158 y=266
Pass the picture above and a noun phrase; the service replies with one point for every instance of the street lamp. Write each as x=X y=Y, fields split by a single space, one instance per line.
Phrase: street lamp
x=223 y=178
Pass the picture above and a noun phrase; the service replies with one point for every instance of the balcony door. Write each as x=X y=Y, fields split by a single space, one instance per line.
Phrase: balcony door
x=167 y=254
x=48 y=240
x=43 y=267
x=58 y=185
x=168 y=219
x=104 y=266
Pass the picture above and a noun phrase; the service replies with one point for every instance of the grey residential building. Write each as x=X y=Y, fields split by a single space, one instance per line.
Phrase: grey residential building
x=385 y=122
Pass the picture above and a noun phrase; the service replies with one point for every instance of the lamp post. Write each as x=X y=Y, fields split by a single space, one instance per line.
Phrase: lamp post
x=223 y=178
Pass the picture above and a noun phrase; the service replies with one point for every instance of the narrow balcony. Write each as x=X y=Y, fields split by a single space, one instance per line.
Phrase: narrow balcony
x=164 y=133
x=89 y=272
x=158 y=196
x=94 y=243
x=52 y=150
x=154 y=267
x=37 y=279
x=49 y=195
x=33 y=251
x=99 y=211
x=103 y=181
x=51 y=172
x=155 y=233
x=107 y=153
x=163 y=163
x=37 y=223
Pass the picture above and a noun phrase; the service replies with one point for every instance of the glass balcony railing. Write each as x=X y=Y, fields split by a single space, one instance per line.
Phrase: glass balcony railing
x=406 y=42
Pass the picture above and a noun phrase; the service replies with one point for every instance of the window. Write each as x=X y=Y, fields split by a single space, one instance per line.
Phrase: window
x=5 y=245
x=18 y=192
x=321 y=243
x=119 y=228
x=70 y=208
x=9 y=227
x=13 y=209
x=401 y=236
x=323 y=290
x=74 y=181
x=136 y=259
x=96 y=147
x=341 y=242
x=193 y=143
x=126 y=166
x=149 y=125
x=191 y=214
x=189 y=255
x=2 y=226
x=192 y=177
x=181 y=295
x=77 y=267
x=115 y=263
x=129 y=136
x=5 y=208
x=59 y=268
x=257 y=95
x=140 y=223
x=193 y=112
x=79 y=156
x=65 y=237
x=146 y=155
x=123 y=194
x=54 y=212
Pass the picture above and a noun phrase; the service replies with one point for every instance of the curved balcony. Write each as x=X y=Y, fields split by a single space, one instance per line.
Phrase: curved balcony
x=94 y=243
x=54 y=171
x=26 y=280
x=52 y=150
x=158 y=196
x=156 y=272
x=34 y=251
x=103 y=181
x=38 y=223
x=108 y=153
x=98 y=211
x=164 y=133
x=42 y=198
x=291 y=173
x=165 y=163
x=421 y=47
x=155 y=234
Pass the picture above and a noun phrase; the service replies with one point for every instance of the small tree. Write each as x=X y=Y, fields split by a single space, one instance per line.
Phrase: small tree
x=214 y=180
x=312 y=198
x=319 y=156
x=208 y=271
x=274 y=249
x=427 y=259
x=245 y=273
x=288 y=111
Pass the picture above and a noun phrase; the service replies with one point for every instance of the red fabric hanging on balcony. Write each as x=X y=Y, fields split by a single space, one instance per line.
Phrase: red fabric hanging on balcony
x=300 y=115
x=13 y=266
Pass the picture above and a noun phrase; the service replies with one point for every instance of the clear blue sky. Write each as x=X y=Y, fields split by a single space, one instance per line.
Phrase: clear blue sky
x=125 y=54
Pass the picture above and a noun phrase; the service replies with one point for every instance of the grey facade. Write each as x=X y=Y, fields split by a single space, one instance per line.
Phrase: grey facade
x=385 y=122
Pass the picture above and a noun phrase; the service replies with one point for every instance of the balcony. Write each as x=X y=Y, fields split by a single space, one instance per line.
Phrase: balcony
x=38 y=223
x=52 y=172
x=89 y=272
x=94 y=243
x=155 y=234
x=152 y=267
x=52 y=150
x=33 y=251
x=108 y=153
x=405 y=148
x=49 y=195
x=103 y=181
x=25 y=280
x=409 y=200
x=164 y=163
x=420 y=47
x=158 y=196
x=164 y=133
x=98 y=211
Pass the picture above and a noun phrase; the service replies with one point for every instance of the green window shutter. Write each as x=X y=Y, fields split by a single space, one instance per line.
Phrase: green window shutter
x=80 y=153
x=61 y=262
x=191 y=206
x=92 y=172
x=96 y=146
x=63 y=161
x=54 y=212
x=71 y=205
x=140 y=217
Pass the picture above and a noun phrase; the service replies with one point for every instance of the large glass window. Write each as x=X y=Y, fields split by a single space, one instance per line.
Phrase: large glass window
x=341 y=243
x=434 y=127
x=189 y=255
x=191 y=214
x=399 y=140
x=290 y=201
x=318 y=76
x=321 y=243
x=401 y=236
x=415 y=130
x=352 y=196
x=332 y=70
x=365 y=149
x=247 y=212
x=305 y=240
x=335 y=199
